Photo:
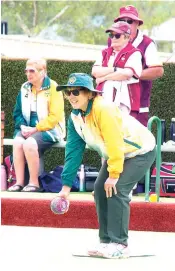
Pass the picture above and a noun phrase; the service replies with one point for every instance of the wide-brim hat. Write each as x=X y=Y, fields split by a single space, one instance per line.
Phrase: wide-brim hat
x=129 y=12
x=78 y=80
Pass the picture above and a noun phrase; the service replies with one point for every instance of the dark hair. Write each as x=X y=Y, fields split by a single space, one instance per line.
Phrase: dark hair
x=94 y=93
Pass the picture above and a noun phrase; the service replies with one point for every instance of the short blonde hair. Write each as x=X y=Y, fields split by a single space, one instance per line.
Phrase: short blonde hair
x=127 y=36
x=41 y=62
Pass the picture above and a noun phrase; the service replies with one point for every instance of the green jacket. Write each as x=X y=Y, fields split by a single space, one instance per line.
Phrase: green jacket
x=50 y=109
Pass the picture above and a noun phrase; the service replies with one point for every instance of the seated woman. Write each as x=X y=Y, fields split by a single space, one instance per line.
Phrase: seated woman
x=128 y=149
x=39 y=123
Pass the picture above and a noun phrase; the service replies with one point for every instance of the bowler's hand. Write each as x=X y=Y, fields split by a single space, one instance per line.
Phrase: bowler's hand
x=64 y=193
x=110 y=186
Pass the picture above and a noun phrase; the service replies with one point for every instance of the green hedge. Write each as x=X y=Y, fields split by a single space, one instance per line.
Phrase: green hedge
x=12 y=77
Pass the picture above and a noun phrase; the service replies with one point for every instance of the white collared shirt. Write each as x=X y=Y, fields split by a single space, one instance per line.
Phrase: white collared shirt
x=122 y=99
x=151 y=54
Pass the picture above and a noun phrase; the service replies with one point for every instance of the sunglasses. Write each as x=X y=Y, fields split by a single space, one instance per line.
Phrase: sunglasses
x=75 y=92
x=129 y=21
x=117 y=36
x=30 y=70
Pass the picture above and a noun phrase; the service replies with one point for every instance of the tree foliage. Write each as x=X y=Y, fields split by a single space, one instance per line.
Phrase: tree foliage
x=79 y=21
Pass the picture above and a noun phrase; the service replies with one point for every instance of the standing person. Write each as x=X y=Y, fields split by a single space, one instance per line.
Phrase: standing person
x=117 y=72
x=39 y=123
x=127 y=147
x=152 y=67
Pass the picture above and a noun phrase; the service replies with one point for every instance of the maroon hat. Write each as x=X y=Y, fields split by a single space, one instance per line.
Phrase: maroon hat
x=120 y=27
x=129 y=12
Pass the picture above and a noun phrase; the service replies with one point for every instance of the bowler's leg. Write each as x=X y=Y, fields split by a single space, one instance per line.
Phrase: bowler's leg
x=118 y=205
x=101 y=203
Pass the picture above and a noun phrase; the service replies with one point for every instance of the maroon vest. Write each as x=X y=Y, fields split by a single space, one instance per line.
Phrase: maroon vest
x=145 y=85
x=120 y=60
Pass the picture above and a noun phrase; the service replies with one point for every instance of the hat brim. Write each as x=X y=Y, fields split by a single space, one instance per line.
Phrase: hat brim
x=129 y=15
x=67 y=87
x=62 y=88
x=116 y=30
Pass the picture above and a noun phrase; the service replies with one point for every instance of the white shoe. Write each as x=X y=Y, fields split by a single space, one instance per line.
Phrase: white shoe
x=115 y=251
x=98 y=250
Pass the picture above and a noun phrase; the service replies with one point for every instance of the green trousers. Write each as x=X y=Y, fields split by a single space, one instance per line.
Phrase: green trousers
x=114 y=213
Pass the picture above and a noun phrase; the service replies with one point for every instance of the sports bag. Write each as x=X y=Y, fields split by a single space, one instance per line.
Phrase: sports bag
x=167 y=180
x=11 y=176
x=51 y=182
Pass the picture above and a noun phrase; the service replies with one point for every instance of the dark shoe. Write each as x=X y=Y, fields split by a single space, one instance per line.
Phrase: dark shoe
x=32 y=188
x=15 y=188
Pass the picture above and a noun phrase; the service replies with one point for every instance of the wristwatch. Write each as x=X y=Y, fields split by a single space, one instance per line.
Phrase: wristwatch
x=115 y=68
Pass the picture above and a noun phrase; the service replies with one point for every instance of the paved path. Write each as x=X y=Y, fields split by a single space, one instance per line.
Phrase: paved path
x=50 y=249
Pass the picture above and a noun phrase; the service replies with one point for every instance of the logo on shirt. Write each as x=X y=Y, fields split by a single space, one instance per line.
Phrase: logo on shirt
x=72 y=80
x=26 y=95
x=47 y=93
